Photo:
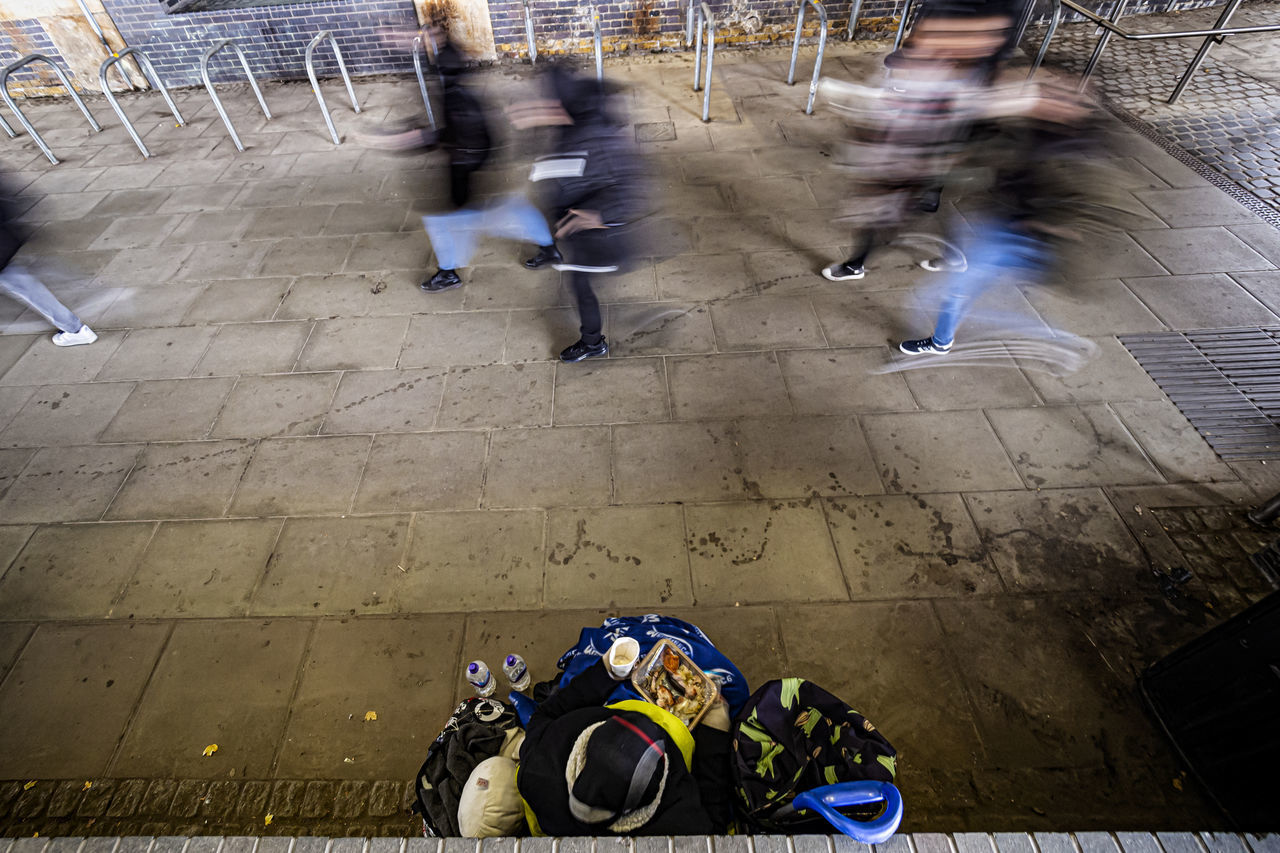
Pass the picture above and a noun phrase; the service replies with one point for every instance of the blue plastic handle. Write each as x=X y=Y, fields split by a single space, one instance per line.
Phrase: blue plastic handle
x=524 y=707
x=828 y=798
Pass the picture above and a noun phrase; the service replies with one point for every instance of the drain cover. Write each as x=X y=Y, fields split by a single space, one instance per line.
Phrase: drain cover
x=1225 y=381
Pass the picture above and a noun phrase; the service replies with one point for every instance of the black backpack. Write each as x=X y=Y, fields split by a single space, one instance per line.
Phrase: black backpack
x=792 y=736
x=476 y=731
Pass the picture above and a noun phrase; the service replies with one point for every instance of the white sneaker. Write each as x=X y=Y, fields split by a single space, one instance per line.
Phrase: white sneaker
x=84 y=335
x=938 y=265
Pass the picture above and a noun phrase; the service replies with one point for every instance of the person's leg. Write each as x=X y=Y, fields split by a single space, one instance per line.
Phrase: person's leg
x=453 y=238
x=30 y=291
x=460 y=183
x=855 y=267
x=592 y=342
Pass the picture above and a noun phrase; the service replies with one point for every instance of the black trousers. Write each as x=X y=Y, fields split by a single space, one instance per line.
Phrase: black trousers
x=588 y=307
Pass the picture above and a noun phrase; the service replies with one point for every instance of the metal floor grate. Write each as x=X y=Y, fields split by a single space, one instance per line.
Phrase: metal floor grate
x=1225 y=381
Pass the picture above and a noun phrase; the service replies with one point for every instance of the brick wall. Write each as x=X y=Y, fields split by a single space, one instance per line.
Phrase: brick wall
x=24 y=37
x=273 y=37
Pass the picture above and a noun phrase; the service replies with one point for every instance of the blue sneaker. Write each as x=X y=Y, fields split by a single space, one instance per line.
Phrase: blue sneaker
x=924 y=346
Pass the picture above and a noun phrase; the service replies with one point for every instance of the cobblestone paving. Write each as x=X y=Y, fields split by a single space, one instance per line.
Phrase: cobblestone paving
x=1225 y=117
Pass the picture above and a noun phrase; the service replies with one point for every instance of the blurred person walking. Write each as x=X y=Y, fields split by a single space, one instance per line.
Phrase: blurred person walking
x=17 y=282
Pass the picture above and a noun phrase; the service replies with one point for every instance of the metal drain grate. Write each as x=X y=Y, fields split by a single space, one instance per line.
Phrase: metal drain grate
x=1225 y=381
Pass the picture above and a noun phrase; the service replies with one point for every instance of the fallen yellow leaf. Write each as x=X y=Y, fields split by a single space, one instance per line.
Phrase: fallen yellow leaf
x=210 y=749
x=370 y=716
x=1177 y=783
x=29 y=785
x=266 y=821
x=87 y=786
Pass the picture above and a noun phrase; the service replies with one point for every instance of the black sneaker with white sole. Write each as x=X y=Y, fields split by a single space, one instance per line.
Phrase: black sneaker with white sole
x=581 y=350
x=924 y=346
x=843 y=272
x=546 y=256
x=442 y=280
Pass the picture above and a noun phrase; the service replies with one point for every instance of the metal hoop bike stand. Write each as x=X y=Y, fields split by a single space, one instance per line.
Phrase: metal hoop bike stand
x=22 y=119
x=706 y=24
x=528 y=33
x=421 y=41
x=1111 y=26
x=315 y=84
x=213 y=93
x=102 y=37
x=8 y=130
x=822 y=46
x=902 y=24
x=153 y=78
x=854 y=11
x=598 y=39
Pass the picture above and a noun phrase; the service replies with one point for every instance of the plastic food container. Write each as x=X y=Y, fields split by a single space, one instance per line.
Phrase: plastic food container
x=669 y=679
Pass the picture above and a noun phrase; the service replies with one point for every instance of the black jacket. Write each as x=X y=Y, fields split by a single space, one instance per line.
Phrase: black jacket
x=696 y=802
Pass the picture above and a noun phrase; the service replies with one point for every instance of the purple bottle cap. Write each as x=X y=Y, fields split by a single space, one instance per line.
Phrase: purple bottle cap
x=473 y=668
x=511 y=660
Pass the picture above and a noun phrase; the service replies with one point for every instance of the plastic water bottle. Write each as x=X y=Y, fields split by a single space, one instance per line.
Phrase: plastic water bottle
x=481 y=679
x=517 y=672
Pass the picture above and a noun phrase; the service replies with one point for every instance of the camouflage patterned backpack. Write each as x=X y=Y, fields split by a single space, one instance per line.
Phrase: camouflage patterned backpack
x=793 y=736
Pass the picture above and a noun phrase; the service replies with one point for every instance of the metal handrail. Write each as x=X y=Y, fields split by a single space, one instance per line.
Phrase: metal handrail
x=208 y=84
x=102 y=37
x=1111 y=25
x=315 y=84
x=707 y=25
x=528 y=33
x=599 y=39
x=148 y=71
x=822 y=46
x=22 y=119
x=423 y=40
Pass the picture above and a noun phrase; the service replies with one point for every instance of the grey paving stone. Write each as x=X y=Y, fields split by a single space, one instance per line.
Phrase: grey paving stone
x=294 y=255
x=82 y=681
x=1201 y=302
x=284 y=404
x=1103 y=306
x=370 y=665
x=220 y=260
x=356 y=343
x=171 y=410
x=1184 y=251
x=1200 y=206
x=836 y=381
x=1059 y=446
x=200 y=568
x=611 y=391
x=193 y=479
x=309 y=570
x=459 y=560
x=469 y=391
x=296 y=476
x=65 y=414
x=386 y=401
x=1162 y=431
x=653 y=463
x=68 y=484
x=938 y=452
x=996 y=381
x=625 y=555
x=237 y=301
x=44 y=364
x=558 y=466
x=719 y=386
x=659 y=328
x=704 y=277
x=393 y=478
x=405 y=250
x=254 y=348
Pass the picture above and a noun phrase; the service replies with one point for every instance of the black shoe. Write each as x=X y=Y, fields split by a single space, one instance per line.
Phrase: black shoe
x=582 y=350
x=546 y=255
x=442 y=280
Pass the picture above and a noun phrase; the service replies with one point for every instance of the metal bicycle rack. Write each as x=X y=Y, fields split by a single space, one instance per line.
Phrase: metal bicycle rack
x=424 y=40
x=706 y=24
x=528 y=33
x=902 y=23
x=149 y=72
x=208 y=85
x=102 y=37
x=822 y=46
x=598 y=38
x=1111 y=26
x=315 y=84
x=22 y=119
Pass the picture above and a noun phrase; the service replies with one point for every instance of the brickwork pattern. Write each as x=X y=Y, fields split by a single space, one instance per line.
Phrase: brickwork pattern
x=24 y=37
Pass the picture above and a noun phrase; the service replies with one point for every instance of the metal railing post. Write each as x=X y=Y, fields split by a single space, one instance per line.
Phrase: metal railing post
x=688 y=24
x=22 y=119
x=1223 y=19
x=217 y=102
x=102 y=37
x=854 y=12
x=528 y=33
x=1055 y=18
x=599 y=42
x=822 y=46
x=1102 y=43
x=422 y=81
x=706 y=24
x=148 y=71
x=902 y=24
x=315 y=84
x=5 y=125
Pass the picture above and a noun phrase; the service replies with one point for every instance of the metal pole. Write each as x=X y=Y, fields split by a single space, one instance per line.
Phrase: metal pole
x=1102 y=44
x=149 y=71
x=902 y=24
x=22 y=119
x=854 y=12
x=217 y=102
x=1055 y=18
x=795 y=43
x=595 y=23
x=9 y=130
x=1204 y=50
x=422 y=81
x=709 y=24
x=309 y=60
x=528 y=33
x=697 y=52
x=102 y=37
x=688 y=26
x=822 y=46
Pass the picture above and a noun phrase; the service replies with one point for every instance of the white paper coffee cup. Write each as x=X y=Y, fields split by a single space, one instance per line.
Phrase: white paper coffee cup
x=622 y=656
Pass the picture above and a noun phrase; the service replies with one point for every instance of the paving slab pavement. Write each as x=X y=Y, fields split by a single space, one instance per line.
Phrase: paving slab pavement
x=286 y=488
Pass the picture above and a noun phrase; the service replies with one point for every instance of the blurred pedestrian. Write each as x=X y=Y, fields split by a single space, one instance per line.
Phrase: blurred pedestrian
x=17 y=282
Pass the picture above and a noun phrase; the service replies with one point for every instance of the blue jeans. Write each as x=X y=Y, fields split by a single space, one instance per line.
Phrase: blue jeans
x=454 y=235
x=997 y=249
x=31 y=292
